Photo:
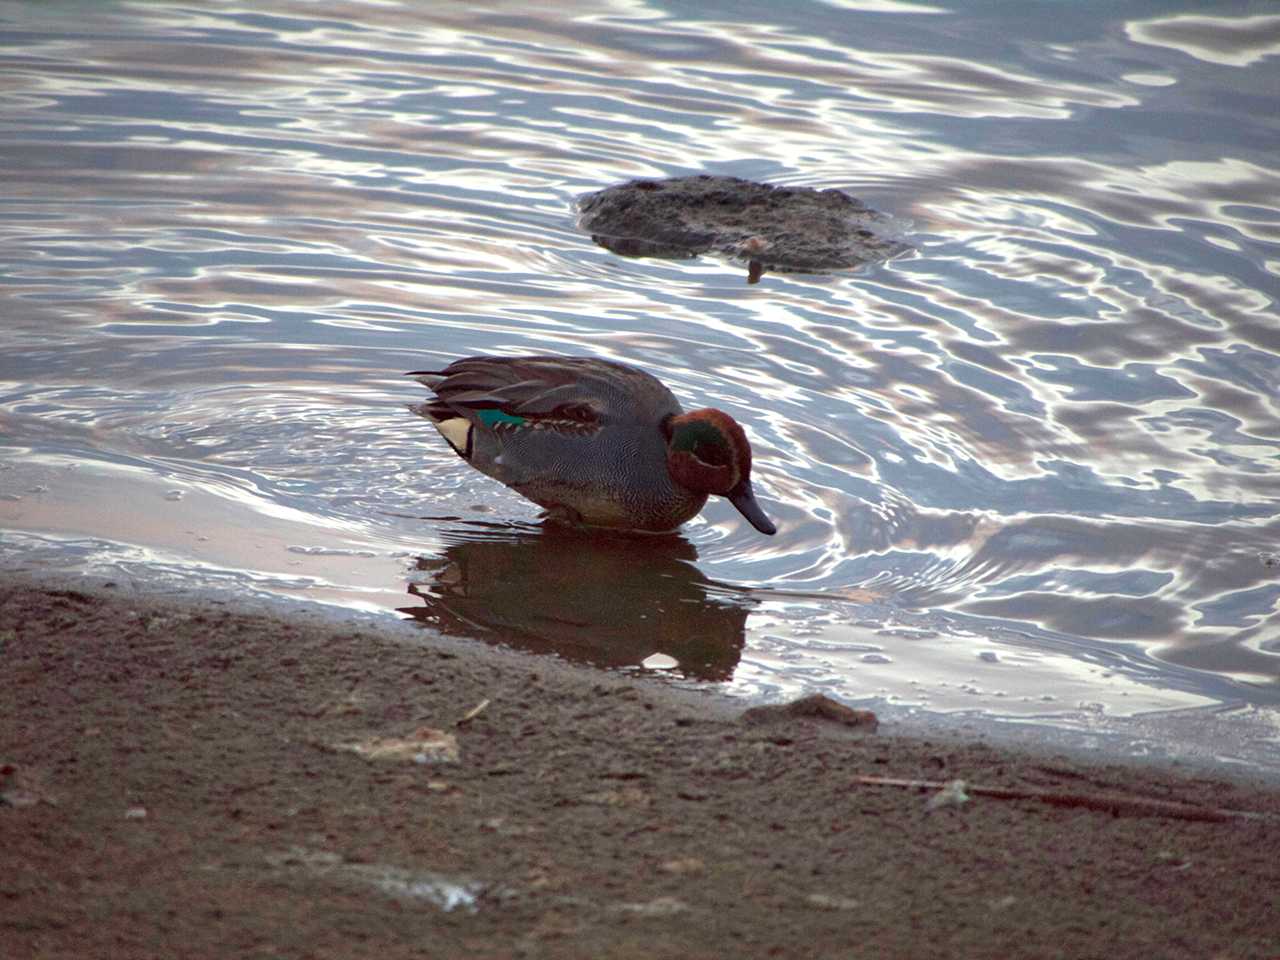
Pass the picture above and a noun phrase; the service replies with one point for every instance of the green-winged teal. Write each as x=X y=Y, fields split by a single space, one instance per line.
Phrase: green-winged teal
x=592 y=441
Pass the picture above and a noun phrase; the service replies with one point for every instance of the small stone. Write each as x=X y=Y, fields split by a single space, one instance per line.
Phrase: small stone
x=829 y=901
x=819 y=707
x=952 y=795
x=683 y=866
x=136 y=813
x=659 y=661
x=659 y=907
x=425 y=745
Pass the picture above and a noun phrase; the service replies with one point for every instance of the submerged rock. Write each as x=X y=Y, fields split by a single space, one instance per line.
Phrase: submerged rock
x=788 y=229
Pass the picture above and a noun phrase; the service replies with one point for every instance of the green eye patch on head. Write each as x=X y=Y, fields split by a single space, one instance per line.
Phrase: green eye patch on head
x=704 y=440
x=689 y=436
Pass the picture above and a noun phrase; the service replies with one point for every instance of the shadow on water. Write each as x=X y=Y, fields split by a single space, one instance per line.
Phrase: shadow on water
x=606 y=600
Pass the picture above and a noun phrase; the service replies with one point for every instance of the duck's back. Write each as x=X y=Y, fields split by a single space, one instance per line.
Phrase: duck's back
x=578 y=435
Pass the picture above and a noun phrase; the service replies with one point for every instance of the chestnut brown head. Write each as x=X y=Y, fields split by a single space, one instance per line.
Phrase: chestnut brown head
x=708 y=452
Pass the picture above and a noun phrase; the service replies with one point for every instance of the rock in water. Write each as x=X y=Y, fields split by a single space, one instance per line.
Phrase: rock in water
x=788 y=229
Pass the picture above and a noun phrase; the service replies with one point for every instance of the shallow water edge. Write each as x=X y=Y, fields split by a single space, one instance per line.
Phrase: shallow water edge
x=1241 y=741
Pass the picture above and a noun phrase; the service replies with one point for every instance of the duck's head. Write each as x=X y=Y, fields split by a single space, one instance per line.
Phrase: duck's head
x=708 y=452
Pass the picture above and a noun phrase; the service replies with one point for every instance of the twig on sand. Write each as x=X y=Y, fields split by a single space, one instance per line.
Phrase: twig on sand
x=1118 y=804
x=474 y=712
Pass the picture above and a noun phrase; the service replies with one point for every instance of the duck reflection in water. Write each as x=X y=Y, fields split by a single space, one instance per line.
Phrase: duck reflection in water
x=607 y=600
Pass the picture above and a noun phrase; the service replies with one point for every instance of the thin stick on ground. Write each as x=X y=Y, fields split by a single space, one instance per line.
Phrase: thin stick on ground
x=474 y=712
x=1118 y=804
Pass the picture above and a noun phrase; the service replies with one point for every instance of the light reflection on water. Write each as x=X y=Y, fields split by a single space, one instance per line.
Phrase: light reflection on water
x=1032 y=467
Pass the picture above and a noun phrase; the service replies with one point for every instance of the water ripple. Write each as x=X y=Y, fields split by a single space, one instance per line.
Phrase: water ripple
x=1056 y=426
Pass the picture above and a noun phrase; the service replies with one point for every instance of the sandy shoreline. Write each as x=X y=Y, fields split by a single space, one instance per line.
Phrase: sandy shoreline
x=180 y=779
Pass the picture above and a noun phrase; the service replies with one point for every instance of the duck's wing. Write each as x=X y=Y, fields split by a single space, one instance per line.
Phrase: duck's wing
x=568 y=394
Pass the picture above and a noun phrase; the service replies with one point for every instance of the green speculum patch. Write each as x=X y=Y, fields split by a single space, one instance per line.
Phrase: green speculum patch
x=493 y=416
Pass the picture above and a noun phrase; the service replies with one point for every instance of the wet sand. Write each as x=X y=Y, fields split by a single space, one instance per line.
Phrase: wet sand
x=188 y=777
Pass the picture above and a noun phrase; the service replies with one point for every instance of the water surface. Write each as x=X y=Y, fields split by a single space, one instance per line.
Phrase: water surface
x=1031 y=469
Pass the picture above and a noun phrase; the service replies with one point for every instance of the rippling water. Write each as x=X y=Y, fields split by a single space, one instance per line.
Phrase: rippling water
x=1031 y=469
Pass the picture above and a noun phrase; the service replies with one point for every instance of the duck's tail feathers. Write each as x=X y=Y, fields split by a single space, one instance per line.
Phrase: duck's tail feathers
x=457 y=431
x=428 y=378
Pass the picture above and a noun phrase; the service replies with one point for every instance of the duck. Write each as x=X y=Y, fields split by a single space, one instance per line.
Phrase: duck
x=595 y=442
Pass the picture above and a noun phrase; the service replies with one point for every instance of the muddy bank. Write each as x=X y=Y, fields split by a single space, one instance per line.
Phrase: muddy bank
x=186 y=778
